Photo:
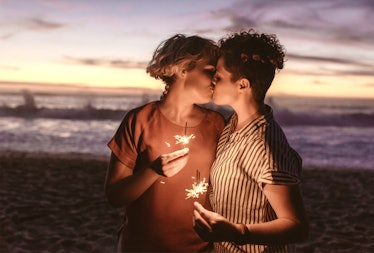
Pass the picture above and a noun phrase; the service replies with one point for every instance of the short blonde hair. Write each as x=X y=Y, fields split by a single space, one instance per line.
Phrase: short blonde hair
x=179 y=52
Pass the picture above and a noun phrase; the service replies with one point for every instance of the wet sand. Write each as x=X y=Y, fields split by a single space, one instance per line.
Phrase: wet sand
x=56 y=203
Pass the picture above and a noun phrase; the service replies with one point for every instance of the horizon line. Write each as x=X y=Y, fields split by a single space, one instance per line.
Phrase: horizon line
x=73 y=88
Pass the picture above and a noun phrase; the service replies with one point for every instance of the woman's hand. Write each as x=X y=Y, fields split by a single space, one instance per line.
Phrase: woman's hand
x=170 y=164
x=212 y=227
x=122 y=186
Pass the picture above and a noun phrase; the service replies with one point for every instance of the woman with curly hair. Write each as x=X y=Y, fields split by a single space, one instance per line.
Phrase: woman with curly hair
x=255 y=193
x=149 y=169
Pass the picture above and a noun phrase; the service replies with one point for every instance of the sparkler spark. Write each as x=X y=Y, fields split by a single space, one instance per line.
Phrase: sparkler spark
x=197 y=189
x=184 y=139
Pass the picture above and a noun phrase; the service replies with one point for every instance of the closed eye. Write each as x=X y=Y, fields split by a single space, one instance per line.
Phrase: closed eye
x=210 y=71
x=216 y=78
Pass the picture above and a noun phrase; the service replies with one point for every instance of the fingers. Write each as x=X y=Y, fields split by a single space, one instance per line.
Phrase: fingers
x=174 y=155
x=203 y=213
x=198 y=207
x=173 y=162
x=201 y=226
x=201 y=222
x=200 y=217
x=175 y=166
x=201 y=230
x=170 y=164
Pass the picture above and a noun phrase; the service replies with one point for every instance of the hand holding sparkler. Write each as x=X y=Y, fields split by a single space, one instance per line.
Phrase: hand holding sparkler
x=170 y=164
x=213 y=227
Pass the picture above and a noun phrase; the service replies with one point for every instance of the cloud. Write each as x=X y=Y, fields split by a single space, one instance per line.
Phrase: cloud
x=333 y=72
x=319 y=59
x=110 y=63
x=368 y=84
x=35 y=24
x=41 y=24
x=7 y=36
x=343 y=21
x=13 y=68
x=331 y=66
x=334 y=28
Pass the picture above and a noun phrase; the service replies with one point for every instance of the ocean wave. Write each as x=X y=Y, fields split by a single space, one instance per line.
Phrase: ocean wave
x=285 y=117
x=289 y=118
x=86 y=113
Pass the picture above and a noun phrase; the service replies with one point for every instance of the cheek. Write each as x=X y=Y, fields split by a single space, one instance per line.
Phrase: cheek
x=224 y=92
x=224 y=88
x=199 y=81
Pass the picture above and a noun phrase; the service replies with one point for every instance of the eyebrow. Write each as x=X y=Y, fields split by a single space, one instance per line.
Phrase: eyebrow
x=210 y=67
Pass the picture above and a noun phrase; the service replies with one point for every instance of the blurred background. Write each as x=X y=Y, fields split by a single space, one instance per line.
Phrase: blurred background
x=70 y=69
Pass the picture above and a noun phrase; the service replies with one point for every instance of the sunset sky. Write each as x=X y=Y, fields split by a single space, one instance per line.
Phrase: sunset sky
x=107 y=43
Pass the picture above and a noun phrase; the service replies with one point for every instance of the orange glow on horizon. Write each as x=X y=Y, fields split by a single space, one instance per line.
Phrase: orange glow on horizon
x=50 y=77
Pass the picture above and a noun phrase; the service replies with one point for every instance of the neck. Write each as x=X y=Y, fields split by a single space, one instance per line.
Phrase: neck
x=178 y=109
x=248 y=114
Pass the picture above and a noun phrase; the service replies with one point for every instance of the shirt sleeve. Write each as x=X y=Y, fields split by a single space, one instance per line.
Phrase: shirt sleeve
x=282 y=164
x=219 y=123
x=123 y=144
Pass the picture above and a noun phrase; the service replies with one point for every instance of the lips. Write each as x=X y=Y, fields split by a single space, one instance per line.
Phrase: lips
x=211 y=88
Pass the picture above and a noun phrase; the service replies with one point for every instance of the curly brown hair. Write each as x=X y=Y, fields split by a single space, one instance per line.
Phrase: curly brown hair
x=253 y=56
x=177 y=52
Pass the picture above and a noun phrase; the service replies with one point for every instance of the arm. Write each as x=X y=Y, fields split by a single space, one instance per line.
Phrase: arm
x=122 y=186
x=290 y=226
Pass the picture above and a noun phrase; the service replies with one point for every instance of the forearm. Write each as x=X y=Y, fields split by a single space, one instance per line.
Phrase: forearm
x=279 y=231
x=130 y=188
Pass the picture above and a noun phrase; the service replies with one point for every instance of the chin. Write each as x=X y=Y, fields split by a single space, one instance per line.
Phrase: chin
x=206 y=100
x=216 y=101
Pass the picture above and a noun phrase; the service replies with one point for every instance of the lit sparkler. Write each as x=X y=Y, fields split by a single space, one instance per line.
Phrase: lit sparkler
x=198 y=187
x=184 y=139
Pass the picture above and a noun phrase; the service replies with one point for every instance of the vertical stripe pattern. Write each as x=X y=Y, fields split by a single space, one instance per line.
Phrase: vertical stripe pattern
x=246 y=159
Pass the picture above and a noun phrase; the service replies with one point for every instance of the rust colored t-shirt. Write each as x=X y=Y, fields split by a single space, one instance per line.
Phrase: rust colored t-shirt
x=161 y=219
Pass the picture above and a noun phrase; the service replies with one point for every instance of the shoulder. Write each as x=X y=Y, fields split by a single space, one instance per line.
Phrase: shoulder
x=214 y=117
x=273 y=131
x=140 y=115
x=269 y=128
x=143 y=110
x=210 y=113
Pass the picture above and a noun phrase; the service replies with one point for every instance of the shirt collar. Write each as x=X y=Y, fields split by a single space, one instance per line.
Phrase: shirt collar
x=251 y=126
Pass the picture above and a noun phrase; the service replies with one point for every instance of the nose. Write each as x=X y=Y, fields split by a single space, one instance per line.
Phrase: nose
x=214 y=81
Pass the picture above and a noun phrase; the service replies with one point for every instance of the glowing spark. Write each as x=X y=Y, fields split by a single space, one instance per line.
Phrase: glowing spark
x=184 y=139
x=197 y=189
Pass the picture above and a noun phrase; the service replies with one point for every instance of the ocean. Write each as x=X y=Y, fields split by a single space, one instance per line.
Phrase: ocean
x=326 y=132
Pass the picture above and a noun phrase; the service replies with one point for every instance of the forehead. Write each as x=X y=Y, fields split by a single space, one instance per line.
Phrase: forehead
x=207 y=62
x=221 y=66
x=220 y=63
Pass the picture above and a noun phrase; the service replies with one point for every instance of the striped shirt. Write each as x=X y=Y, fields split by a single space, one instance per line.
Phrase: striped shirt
x=247 y=159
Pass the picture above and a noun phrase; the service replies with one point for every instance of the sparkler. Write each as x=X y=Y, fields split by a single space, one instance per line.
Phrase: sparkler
x=184 y=139
x=198 y=187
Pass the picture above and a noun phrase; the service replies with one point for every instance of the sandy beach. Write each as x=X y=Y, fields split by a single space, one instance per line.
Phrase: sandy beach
x=56 y=203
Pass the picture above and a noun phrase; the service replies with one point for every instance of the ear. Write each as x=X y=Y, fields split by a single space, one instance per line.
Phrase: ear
x=182 y=73
x=244 y=83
